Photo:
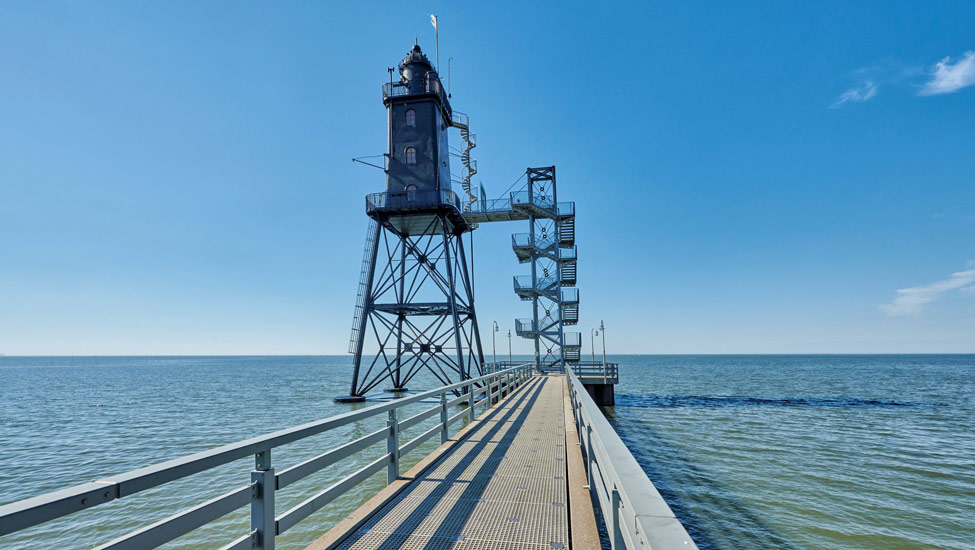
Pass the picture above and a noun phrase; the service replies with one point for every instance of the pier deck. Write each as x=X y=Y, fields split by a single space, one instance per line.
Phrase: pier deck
x=502 y=485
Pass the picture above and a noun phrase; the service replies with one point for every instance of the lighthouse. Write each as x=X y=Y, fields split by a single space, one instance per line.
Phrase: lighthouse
x=419 y=115
x=414 y=308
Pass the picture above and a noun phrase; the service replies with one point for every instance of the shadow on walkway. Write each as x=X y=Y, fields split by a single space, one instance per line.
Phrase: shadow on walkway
x=516 y=410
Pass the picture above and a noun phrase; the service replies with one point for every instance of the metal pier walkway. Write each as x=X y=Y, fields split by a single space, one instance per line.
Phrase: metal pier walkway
x=502 y=486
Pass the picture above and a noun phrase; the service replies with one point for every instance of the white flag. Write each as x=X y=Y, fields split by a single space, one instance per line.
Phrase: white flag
x=433 y=20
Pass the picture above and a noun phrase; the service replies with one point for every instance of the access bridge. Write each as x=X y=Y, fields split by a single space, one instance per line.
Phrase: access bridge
x=522 y=456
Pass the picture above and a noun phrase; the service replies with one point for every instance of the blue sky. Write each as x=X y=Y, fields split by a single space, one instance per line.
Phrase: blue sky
x=781 y=177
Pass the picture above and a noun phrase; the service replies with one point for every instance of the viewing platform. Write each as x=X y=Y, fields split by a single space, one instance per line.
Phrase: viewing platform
x=414 y=212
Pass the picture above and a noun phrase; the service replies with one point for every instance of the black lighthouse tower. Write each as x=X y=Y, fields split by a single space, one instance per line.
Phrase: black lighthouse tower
x=415 y=305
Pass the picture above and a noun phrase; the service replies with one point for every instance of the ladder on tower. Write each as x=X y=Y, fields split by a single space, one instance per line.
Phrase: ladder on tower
x=360 y=300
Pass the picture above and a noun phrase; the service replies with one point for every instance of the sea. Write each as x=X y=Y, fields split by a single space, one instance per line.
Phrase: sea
x=750 y=451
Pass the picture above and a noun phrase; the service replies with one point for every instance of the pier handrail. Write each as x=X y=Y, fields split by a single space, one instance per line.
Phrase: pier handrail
x=635 y=514
x=264 y=482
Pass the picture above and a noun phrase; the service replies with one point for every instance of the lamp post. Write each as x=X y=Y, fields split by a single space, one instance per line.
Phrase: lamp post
x=494 y=349
x=602 y=328
x=448 y=76
x=509 y=346
x=592 y=343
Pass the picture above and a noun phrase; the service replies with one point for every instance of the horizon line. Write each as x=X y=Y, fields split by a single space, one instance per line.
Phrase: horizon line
x=660 y=354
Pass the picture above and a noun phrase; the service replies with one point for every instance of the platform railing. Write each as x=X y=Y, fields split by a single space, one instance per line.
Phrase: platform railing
x=634 y=513
x=411 y=200
x=571 y=339
x=265 y=481
x=569 y=253
x=521 y=240
x=521 y=199
x=460 y=119
x=570 y=295
x=546 y=285
x=524 y=198
x=493 y=205
x=524 y=326
x=525 y=242
x=429 y=85
x=609 y=373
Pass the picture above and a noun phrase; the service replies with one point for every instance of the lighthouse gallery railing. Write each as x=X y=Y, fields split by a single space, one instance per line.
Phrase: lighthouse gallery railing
x=420 y=199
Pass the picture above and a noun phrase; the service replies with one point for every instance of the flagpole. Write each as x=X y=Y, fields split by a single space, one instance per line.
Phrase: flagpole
x=436 y=33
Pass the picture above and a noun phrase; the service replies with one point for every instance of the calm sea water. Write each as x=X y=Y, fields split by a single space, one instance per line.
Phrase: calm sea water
x=750 y=451
x=807 y=451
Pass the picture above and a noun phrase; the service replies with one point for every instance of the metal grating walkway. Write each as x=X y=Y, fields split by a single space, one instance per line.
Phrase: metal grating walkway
x=502 y=486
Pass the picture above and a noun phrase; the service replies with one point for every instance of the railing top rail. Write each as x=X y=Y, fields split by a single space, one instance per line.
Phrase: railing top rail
x=51 y=505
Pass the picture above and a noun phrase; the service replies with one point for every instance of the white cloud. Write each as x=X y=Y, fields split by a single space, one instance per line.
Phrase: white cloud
x=912 y=300
x=860 y=93
x=948 y=211
x=947 y=78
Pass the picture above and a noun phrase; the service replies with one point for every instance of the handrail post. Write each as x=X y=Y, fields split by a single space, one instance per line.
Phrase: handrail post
x=443 y=418
x=589 y=457
x=616 y=536
x=262 y=505
x=470 y=400
x=392 y=447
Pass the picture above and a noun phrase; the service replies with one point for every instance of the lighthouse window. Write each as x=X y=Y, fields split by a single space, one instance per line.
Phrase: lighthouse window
x=410 y=117
x=411 y=192
x=410 y=155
